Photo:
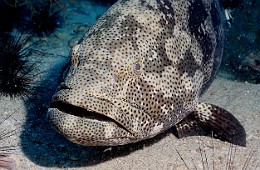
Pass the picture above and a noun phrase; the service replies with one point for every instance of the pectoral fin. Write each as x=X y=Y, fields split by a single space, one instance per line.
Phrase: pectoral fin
x=209 y=119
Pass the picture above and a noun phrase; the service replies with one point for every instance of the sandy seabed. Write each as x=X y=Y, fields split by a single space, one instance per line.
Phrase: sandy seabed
x=40 y=147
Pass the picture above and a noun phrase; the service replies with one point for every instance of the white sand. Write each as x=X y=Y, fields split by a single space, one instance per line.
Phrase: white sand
x=51 y=152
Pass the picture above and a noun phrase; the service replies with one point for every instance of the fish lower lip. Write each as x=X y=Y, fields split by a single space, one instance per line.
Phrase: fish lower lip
x=86 y=131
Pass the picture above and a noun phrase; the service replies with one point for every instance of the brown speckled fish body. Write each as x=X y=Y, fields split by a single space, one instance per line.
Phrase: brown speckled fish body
x=140 y=71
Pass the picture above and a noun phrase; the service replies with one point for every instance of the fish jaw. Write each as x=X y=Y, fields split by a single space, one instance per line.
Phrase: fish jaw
x=108 y=123
x=88 y=132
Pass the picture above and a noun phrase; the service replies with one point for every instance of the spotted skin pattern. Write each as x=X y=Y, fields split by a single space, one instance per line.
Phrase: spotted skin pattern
x=139 y=71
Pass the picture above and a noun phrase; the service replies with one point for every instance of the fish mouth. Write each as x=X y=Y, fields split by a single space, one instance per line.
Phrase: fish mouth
x=80 y=112
x=88 y=125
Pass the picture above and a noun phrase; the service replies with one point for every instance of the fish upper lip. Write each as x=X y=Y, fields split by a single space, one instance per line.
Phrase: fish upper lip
x=79 y=111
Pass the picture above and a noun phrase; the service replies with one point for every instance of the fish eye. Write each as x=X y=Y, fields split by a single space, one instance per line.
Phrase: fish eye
x=137 y=67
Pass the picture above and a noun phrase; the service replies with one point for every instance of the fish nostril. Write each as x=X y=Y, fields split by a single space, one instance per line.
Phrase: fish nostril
x=63 y=86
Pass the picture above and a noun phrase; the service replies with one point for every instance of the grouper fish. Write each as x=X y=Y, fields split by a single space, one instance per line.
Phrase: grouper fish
x=140 y=70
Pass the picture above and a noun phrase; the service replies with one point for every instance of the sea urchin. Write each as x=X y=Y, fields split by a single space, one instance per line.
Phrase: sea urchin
x=15 y=68
x=42 y=20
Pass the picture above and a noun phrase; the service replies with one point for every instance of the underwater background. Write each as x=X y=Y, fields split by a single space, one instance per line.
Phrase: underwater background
x=36 y=37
